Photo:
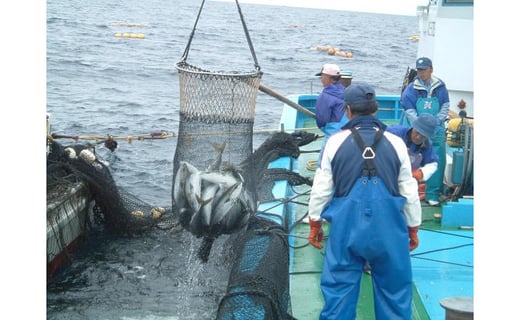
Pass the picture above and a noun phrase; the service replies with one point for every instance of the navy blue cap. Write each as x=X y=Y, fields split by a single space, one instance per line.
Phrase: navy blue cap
x=358 y=93
x=425 y=125
x=423 y=63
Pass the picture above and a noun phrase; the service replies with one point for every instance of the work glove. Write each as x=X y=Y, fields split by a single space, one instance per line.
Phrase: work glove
x=315 y=234
x=414 y=240
x=417 y=174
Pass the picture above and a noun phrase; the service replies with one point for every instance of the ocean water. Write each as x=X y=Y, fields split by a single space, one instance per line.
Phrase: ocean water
x=100 y=84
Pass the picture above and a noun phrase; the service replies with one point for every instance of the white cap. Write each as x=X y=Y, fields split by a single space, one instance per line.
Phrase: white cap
x=329 y=69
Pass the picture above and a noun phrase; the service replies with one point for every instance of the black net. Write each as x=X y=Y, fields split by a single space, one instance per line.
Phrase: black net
x=258 y=286
x=118 y=210
x=216 y=109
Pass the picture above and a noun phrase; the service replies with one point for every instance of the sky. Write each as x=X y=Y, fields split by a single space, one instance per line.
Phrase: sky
x=397 y=7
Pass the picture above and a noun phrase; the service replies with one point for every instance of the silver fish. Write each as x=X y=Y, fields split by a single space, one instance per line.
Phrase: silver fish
x=234 y=214
x=223 y=179
x=215 y=164
x=233 y=171
x=238 y=216
x=179 y=184
x=193 y=190
x=208 y=194
x=226 y=203
x=197 y=226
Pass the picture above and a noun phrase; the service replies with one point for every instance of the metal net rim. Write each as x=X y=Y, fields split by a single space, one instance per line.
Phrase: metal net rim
x=183 y=66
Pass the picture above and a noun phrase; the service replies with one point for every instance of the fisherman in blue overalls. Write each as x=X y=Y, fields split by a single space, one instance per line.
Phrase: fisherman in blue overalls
x=330 y=112
x=366 y=191
x=428 y=94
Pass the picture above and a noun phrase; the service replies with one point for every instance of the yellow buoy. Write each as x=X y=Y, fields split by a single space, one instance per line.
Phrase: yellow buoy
x=130 y=35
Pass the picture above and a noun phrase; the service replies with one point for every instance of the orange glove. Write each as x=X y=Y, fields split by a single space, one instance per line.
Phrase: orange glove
x=414 y=240
x=315 y=234
x=417 y=174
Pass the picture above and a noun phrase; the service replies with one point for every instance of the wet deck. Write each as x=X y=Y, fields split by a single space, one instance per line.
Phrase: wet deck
x=442 y=265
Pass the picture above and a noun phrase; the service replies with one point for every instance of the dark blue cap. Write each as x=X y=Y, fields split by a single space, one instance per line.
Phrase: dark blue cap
x=423 y=63
x=425 y=124
x=358 y=93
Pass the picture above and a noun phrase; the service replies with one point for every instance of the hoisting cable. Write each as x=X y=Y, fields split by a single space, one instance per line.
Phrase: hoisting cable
x=187 y=49
x=250 y=43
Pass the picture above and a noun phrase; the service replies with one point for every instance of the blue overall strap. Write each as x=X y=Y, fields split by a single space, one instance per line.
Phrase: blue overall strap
x=368 y=153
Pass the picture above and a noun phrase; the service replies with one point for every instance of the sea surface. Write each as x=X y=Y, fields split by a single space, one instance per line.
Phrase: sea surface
x=99 y=84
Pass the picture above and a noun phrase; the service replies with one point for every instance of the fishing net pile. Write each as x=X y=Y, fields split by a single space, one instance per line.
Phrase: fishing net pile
x=258 y=286
x=218 y=179
x=118 y=210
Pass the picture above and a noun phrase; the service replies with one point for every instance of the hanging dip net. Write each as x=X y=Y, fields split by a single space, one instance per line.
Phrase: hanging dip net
x=215 y=135
x=216 y=113
x=213 y=159
x=216 y=117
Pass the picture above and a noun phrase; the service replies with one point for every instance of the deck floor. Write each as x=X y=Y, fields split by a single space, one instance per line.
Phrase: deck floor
x=442 y=265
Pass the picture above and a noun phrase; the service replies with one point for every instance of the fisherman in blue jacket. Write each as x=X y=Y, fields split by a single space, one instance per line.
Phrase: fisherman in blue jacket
x=428 y=94
x=366 y=191
x=330 y=111
x=417 y=138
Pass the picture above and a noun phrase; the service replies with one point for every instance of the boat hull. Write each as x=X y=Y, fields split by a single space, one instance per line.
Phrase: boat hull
x=68 y=208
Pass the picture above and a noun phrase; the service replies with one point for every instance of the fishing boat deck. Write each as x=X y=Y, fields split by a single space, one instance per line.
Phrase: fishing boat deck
x=442 y=264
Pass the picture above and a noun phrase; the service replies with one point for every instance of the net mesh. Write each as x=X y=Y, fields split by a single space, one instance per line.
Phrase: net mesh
x=258 y=287
x=216 y=108
x=118 y=210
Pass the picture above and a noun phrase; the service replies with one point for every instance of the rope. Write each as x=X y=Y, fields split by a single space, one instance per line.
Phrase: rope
x=150 y=136
x=312 y=165
x=249 y=42
x=187 y=49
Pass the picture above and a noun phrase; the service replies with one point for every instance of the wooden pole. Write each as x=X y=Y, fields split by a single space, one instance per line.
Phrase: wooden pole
x=280 y=97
